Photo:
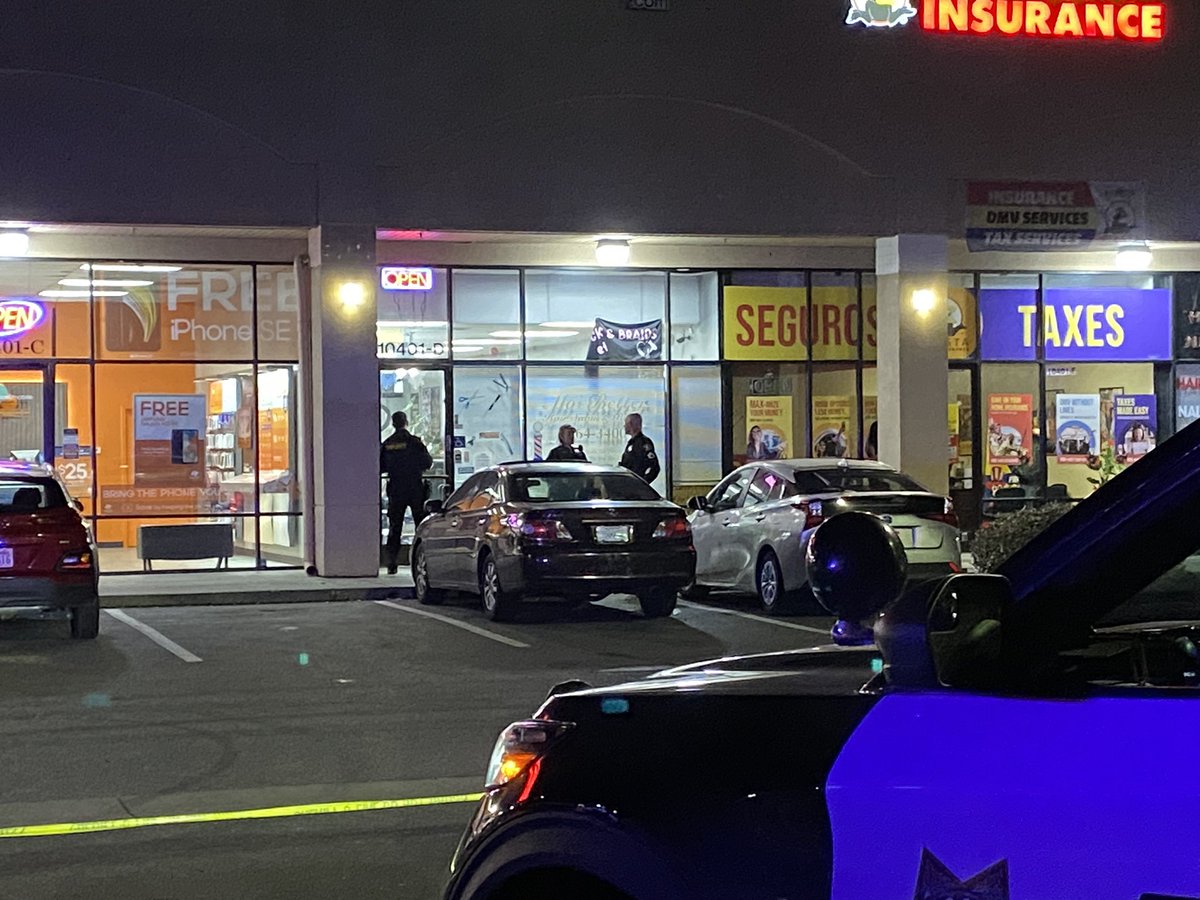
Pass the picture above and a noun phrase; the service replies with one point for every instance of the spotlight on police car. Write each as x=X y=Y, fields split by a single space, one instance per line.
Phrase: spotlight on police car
x=856 y=566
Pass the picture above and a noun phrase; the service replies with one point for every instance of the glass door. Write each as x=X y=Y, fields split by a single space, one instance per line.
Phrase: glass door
x=420 y=393
x=26 y=426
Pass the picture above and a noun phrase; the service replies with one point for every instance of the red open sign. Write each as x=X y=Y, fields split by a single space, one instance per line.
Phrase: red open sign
x=406 y=278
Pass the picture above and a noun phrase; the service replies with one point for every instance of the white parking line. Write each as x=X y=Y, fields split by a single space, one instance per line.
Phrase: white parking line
x=752 y=616
x=465 y=626
x=157 y=636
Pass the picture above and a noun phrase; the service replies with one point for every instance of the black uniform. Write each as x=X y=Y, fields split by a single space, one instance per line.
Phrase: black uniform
x=563 y=453
x=403 y=457
x=639 y=457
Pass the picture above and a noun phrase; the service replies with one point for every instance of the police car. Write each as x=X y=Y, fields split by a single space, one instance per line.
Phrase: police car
x=981 y=736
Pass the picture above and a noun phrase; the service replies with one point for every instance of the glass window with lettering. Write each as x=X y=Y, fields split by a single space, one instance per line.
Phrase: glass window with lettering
x=487 y=314
x=278 y=313
x=44 y=310
x=765 y=316
x=1120 y=317
x=770 y=412
x=835 y=405
x=411 y=314
x=172 y=311
x=595 y=316
x=838 y=318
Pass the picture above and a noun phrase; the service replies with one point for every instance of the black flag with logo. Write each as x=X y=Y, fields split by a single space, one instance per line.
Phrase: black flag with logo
x=625 y=343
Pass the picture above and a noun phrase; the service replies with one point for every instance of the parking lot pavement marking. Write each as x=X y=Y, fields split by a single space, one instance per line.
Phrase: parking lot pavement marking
x=235 y=815
x=157 y=636
x=465 y=626
x=745 y=615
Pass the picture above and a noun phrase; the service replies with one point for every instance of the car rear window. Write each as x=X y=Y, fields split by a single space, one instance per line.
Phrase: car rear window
x=565 y=487
x=27 y=494
x=851 y=480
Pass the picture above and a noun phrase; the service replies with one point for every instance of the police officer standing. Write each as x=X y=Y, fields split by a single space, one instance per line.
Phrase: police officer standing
x=403 y=457
x=639 y=456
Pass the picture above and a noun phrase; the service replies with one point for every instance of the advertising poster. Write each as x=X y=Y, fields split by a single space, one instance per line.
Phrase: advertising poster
x=625 y=343
x=1010 y=430
x=769 y=427
x=1187 y=396
x=832 y=419
x=487 y=425
x=1135 y=425
x=1045 y=216
x=1077 y=427
x=169 y=439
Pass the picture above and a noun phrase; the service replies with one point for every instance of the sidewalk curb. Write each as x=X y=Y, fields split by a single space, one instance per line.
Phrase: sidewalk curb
x=240 y=598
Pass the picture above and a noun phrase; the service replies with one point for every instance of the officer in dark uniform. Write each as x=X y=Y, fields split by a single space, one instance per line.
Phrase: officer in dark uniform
x=403 y=457
x=639 y=456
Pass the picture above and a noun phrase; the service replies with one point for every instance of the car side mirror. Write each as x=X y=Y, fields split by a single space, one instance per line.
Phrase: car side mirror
x=966 y=630
x=699 y=504
x=434 y=507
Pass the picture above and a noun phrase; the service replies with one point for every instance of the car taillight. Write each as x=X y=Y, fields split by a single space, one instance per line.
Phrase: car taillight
x=539 y=530
x=814 y=513
x=76 y=561
x=520 y=746
x=674 y=528
x=947 y=516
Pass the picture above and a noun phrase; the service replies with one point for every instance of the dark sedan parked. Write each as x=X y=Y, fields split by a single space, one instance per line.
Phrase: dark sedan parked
x=554 y=529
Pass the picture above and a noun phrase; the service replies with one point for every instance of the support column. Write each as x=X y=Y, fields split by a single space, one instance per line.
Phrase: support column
x=913 y=373
x=345 y=402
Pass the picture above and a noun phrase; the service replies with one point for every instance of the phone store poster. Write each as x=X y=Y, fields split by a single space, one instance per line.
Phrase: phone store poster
x=169 y=439
x=1077 y=429
x=1135 y=425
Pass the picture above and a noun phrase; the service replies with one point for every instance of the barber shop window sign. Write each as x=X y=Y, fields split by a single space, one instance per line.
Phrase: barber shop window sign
x=880 y=13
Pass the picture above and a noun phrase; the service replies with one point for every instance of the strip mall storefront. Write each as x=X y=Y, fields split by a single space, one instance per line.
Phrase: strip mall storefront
x=164 y=393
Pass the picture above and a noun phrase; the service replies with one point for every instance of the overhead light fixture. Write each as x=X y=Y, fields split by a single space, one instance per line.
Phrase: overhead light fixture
x=128 y=267
x=612 y=252
x=67 y=294
x=923 y=301
x=1134 y=257
x=104 y=283
x=14 y=243
x=504 y=334
x=352 y=294
x=539 y=333
x=568 y=325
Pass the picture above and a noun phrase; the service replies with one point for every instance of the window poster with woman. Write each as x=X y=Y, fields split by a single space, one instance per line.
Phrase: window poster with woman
x=769 y=428
x=1135 y=425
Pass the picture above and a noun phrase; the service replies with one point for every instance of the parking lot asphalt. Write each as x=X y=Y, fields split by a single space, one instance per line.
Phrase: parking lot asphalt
x=214 y=710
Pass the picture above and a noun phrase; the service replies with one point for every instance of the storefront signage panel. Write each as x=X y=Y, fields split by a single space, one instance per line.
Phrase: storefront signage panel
x=1009 y=431
x=1094 y=325
x=1187 y=396
x=614 y=341
x=169 y=438
x=770 y=323
x=405 y=278
x=1132 y=20
x=26 y=328
x=1014 y=216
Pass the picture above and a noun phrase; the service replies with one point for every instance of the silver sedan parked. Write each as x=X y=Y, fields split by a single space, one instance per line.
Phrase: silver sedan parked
x=751 y=531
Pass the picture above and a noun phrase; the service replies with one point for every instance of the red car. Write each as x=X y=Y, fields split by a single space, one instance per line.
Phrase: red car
x=48 y=565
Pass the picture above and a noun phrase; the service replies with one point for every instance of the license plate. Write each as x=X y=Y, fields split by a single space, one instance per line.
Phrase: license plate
x=614 y=534
x=6 y=558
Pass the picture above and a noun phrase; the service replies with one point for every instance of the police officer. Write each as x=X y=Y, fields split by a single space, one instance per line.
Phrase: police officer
x=403 y=457
x=639 y=456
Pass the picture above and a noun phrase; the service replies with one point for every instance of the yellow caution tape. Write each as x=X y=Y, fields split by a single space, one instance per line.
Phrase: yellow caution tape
x=270 y=812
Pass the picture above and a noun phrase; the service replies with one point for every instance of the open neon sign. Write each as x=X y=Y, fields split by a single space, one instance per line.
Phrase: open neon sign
x=406 y=278
x=1133 y=20
x=18 y=316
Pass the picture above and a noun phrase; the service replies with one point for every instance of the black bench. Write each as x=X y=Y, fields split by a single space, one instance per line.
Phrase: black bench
x=197 y=541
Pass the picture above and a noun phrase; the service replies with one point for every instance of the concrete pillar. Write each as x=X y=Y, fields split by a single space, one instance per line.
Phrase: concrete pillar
x=913 y=373
x=345 y=401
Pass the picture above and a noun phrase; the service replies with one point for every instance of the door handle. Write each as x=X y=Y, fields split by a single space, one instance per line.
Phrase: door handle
x=760 y=517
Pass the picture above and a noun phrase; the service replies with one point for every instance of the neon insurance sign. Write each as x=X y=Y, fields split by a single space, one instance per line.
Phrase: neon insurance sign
x=1129 y=20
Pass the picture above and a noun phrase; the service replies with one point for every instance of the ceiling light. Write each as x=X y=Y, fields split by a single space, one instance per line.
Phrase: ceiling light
x=73 y=293
x=1134 y=257
x=14 y=243
x=589 y=325
x=610 y=252
x=505 y=334
x=923 y=301
x=550 y=334
x=128 y=267
x=104 y=282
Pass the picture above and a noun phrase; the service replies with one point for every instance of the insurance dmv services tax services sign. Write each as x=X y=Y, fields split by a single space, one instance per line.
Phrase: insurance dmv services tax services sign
x=1096 y=20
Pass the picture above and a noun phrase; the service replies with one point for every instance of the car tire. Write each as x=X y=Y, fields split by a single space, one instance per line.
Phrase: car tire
x=498 y=605
x=768 y=579
x=426 y=595
x=85 y=621
x=657 y=604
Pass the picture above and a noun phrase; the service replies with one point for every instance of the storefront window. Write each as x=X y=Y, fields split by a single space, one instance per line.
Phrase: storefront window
x=766 y=316
x=413 y=324
x=770 y=412
x=487 y=418
x=75 y=450
x=695 y=430
x=1014 y=452
x=45 y=310
x=585 y=316
x=596 y=400
x=694 y=316
x=962 y=318
x=837 y=317
x=278 y=313
x=835 y=411
x=280 y=525
x=487 y=314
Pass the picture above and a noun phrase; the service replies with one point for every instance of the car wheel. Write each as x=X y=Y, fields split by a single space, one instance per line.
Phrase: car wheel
x=657 y=604
x=497 y=605
x=768 y=578
x=85 y=621
x=695 y=592
x=429 y=596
